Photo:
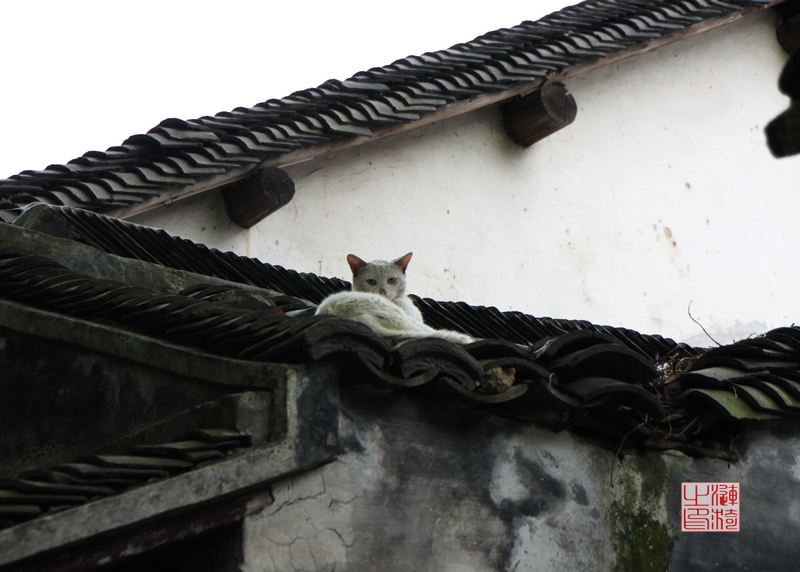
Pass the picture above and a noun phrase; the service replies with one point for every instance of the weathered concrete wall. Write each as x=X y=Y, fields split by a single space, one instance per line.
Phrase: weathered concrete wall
x=770 y=506
x=662 y=192
x=426 y=488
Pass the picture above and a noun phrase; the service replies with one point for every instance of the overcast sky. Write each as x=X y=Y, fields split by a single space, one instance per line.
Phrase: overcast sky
x=81 y=75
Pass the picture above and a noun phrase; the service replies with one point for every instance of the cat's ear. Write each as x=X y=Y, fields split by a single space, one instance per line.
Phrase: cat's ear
x=355 y=263
x=403 y=261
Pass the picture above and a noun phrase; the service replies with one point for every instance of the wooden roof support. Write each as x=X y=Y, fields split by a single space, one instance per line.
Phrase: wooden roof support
x=533 y=117
x=254 y=198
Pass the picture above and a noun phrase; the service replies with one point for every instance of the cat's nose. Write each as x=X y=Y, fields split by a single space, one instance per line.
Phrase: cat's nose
x=382 y=292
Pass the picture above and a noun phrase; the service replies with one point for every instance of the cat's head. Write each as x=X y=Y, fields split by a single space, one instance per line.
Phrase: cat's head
x=384 y=277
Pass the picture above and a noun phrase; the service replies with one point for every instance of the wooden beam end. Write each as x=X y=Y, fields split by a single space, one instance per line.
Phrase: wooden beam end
x=254 y=198
x=533 y=117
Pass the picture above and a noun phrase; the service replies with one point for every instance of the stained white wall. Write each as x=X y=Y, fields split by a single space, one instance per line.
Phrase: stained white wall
x=661 y=193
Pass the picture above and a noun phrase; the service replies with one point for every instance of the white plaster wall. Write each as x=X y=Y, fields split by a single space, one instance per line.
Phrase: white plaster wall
x=662 y=193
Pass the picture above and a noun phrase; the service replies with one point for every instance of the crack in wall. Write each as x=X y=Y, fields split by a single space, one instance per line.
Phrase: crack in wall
x=307 y=527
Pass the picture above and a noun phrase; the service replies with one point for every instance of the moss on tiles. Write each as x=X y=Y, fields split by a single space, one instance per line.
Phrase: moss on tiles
x=642 y=535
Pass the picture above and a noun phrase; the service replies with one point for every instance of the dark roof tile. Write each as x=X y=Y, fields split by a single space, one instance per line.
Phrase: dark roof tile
x=751 y=379
x=136 y=462
x=37 y=491
x=54 y=476
x=190 y=132
x=52 y=488
x=593 y=389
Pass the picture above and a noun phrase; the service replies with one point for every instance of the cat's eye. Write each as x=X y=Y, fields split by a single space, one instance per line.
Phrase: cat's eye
x=392 y=280
x=371 y=281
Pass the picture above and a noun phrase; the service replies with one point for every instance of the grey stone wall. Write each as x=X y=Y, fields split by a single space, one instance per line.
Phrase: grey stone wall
x=425 y=487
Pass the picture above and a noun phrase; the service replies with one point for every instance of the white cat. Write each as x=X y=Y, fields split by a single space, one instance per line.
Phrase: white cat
x=379 y=300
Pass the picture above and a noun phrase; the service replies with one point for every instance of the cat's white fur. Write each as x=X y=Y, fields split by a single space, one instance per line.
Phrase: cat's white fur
x=379 y=300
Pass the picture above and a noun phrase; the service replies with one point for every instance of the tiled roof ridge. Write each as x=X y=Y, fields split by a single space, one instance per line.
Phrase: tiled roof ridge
x=155 y=245
x=140 y=242
x=190 y=319
x=521 y=328
x=194 y=319
x=179 y=157
x=590 y=381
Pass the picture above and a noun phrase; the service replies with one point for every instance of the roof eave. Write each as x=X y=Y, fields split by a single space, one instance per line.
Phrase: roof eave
x=473 y=103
